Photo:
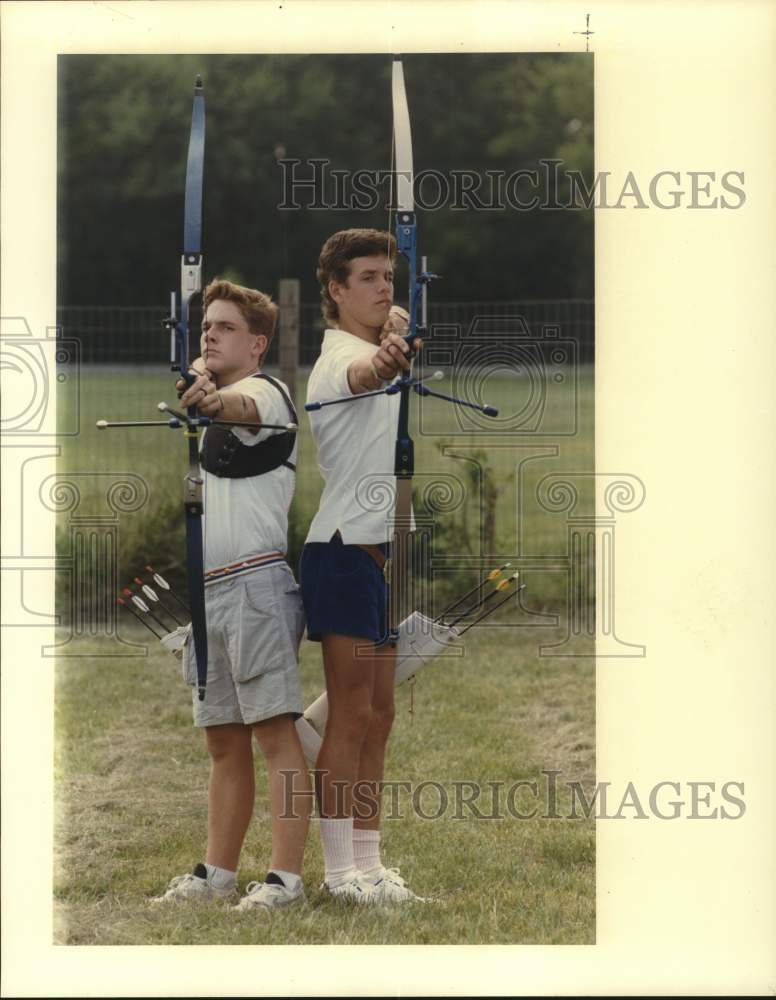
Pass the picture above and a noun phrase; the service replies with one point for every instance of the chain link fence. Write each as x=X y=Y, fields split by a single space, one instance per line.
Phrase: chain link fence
x=542 y=396
x=133 y=335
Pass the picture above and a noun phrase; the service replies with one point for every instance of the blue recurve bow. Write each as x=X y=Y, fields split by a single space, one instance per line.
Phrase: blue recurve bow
x=419 y=280
x=178 y=323
x=191 y=422
x=191 y=284
x=407 y=246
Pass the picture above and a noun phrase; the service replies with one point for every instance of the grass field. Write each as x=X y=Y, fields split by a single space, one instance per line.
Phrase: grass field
x=131 y=771
x=131 y=777
x=498 y=473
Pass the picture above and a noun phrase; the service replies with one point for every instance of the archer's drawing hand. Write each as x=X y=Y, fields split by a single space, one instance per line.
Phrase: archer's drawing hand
x=198 y=365
x=203 y=394
x=397 y=322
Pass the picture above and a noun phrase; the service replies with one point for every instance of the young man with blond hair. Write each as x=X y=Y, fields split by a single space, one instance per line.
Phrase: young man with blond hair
x=342 y=567
x=254 y=609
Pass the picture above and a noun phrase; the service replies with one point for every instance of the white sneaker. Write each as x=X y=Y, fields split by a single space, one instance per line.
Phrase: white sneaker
x=194 y=886
x=355 y=890
x=269 y=896
x=389 y=887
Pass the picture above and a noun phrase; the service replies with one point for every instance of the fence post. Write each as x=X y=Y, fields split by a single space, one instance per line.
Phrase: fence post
x=288 y=347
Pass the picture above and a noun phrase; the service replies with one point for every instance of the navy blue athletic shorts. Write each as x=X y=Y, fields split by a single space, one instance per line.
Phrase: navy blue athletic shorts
x=344 y=591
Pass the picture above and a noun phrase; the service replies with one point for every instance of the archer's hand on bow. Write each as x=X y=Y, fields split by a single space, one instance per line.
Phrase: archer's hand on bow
x=394 y=356
x=202 y=393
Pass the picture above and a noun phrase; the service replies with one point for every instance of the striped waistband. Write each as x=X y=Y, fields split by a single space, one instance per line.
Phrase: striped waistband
x=244 y=566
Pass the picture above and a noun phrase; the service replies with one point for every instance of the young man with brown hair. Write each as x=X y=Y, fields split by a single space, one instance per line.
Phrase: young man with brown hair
x=342 y=565
x=254 y=609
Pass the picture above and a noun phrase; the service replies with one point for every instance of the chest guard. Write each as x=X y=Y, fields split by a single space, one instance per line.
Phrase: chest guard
x=224 y=455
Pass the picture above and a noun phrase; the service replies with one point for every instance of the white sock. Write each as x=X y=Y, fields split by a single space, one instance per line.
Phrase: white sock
x=337 y=843
x=366 y=850
x=289 y=879
x=220 y=878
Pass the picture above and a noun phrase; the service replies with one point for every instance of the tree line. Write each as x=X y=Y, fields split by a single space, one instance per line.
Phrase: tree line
x=477 y=119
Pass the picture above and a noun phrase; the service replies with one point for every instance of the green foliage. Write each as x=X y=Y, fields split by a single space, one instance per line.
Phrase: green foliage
x=473 y=527
x=485 y=526
x=123 y=129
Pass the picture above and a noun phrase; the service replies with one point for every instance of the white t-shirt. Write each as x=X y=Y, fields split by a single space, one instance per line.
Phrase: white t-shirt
x=247 y=517
x=356 y=443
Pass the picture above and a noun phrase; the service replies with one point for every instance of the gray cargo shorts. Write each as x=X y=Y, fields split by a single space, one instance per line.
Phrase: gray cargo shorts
x=255 y=623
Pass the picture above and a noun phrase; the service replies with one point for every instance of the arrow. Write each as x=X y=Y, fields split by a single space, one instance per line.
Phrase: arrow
x=140 y=603
x=151 y=594
x=499 y=587
x=492 y=610
x=493 y=575
x=139 y=618
x=160 y=581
